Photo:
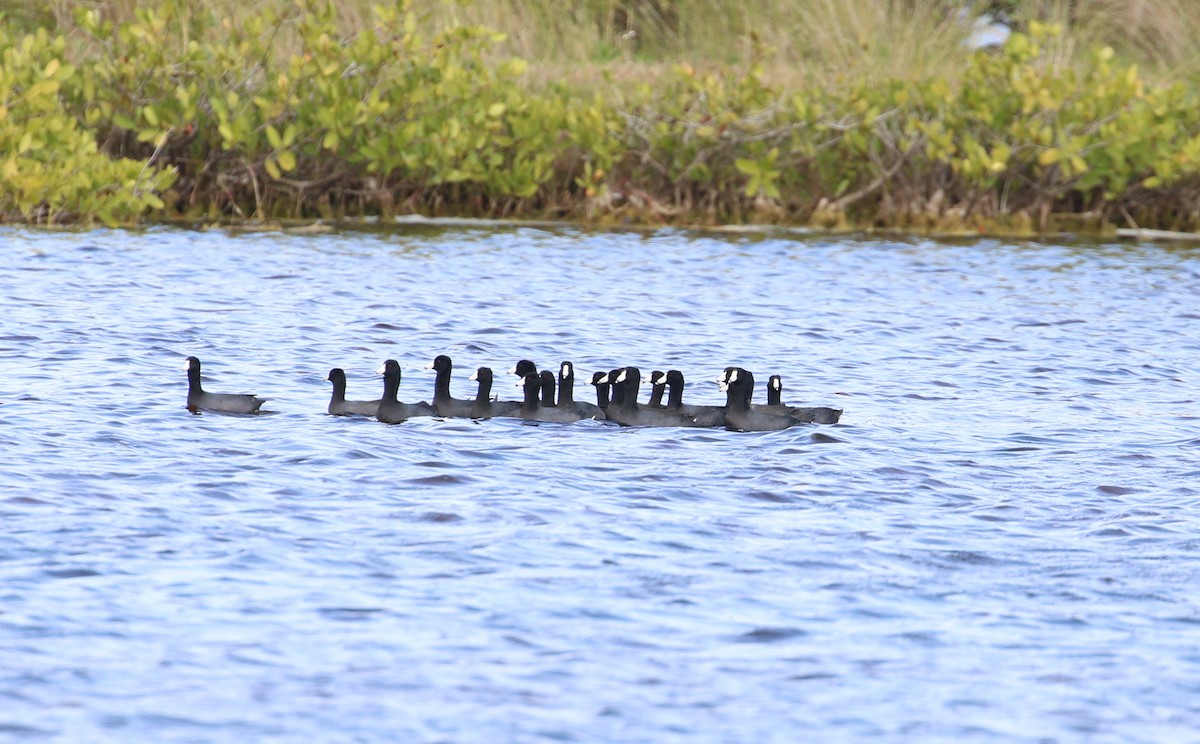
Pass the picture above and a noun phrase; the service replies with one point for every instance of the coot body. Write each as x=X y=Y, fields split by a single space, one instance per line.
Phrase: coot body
x=624 y=408
x=533 y=410
x=484 y=406
x=392 y=411
x=566 y=393
x=339 y=406
x=446 y=405
x=738 y=414
x=704 y=415
x=198 y=399
x=808 y=414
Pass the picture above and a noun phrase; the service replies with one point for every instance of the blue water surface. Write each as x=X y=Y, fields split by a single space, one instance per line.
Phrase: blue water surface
x=1000 y=542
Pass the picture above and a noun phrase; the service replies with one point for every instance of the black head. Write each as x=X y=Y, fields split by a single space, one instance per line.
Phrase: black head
x=566 y=371
x=192 y=364
x=441 y=363
x=523 y=368
x=596 y=378
x=482 y=375
x=337 y=376
x=390 y=368
x=674 y=378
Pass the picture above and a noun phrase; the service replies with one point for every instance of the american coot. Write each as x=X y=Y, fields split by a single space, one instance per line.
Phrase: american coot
x=738 y=415
x=658 y=386
x=566 y=393
x=817 y=415
x=224 y=402
x=484 y=406
x=533 y=410
x=704 y=415
x=339 y=406
x=548 y=386
x=814 y=414
x=392 y=411
x=624 y=407
x=443 y=403
x=522 y=368
x=602 y=388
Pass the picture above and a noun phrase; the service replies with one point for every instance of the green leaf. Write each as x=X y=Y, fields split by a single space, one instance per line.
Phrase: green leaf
x=747 y=167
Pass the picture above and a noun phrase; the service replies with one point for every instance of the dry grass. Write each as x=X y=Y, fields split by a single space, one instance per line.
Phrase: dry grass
x=604 y=43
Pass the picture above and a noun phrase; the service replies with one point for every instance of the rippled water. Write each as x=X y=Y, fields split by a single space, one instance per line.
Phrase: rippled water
x=999 y=543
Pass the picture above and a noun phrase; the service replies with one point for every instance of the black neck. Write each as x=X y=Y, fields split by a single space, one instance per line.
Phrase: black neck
x=485 y=390
x=391 y=386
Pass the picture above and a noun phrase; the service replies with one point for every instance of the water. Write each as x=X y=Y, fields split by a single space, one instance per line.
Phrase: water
x=999 y=543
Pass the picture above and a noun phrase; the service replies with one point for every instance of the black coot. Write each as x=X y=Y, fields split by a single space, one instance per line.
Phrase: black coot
x=704 y=415
x=522 y=368
x=533 y=410
x=484 y=406
x=392 y=411
x=624 y=408
x=443 y=403
x=566 y=393
x=602 y=388
x=658 y=386
x=548 y=386
x=811 y=414
x=339 y=406
x=738 y=414
x=224 y=402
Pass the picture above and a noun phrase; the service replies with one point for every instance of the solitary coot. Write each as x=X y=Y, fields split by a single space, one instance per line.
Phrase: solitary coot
x=224 y=402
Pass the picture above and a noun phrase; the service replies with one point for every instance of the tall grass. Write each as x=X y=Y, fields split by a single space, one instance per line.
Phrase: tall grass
x=802 y=42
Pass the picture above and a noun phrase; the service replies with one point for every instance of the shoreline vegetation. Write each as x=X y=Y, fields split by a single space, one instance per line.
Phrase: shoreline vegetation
x=646 y=112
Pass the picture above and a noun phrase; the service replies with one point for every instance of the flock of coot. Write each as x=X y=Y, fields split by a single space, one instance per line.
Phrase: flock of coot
x=616 y=399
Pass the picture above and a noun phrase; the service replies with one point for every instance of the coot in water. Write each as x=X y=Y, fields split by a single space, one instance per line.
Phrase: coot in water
x=484 y=406
x=704 y=415
x=738 y=414
x=339 y=406
x=443 y=403
x=223 y=402
x=533 y=410
x=392 y=411
x=548 y=386
x=566 y=393
x=811 y=414
x=658 y=386
x=624 y=408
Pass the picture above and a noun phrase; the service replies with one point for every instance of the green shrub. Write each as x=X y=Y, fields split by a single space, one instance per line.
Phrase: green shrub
x=275 y=112
x=51 y=169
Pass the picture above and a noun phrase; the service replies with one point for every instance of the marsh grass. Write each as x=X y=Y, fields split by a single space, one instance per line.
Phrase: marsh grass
x=600 y=44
